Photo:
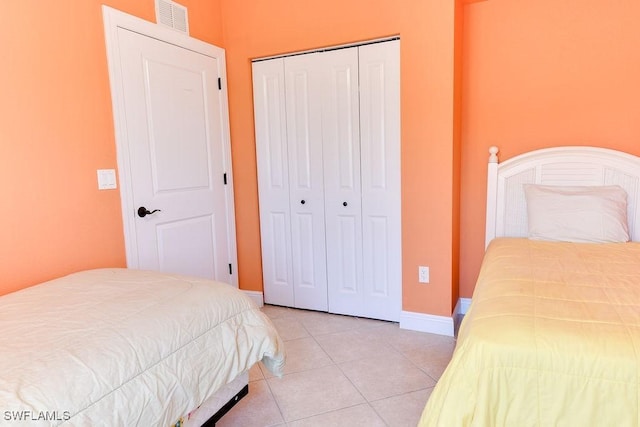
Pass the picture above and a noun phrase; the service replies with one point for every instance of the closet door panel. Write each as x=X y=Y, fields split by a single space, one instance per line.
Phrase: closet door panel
x=346 y=274
x=341 y=147
x=306 y=187
x=380 y=149
x=273 y=181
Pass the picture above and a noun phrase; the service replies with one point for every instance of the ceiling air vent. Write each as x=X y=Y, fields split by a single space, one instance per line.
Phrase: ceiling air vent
x=173 y=15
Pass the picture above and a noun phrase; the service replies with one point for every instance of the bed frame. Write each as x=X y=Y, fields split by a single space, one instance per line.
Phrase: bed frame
x=576 y=165
x=215 y=407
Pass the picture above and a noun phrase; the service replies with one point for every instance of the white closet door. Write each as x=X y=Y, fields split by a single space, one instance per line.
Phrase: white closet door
x=303 y=75
x=273 y=182
x=328 y=148
x=341 y=144
x=380 y=153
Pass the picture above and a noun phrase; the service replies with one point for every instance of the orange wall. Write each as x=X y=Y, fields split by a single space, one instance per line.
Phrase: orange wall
x=56 y=129
x=540 y=73
x=536 y=74
x=426 y=28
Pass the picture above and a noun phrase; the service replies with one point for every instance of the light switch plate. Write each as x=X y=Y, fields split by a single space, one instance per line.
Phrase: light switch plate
x=423 y=274
x=107 y=179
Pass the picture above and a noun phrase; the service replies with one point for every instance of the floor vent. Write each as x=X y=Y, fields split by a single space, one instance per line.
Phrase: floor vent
x=172 y=15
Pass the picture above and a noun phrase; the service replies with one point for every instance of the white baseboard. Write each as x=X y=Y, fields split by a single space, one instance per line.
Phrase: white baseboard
x=462 y=306
x=441 y=325
x=255 y=296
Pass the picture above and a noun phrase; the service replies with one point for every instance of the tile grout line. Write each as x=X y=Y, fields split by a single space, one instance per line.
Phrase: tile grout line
x=275 y=400
x=366 y=401
x=336 y=329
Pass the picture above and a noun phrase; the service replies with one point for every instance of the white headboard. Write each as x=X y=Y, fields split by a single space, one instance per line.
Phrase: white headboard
x=506 y=204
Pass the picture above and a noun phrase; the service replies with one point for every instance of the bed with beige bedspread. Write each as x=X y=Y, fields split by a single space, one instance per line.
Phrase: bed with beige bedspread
x=116 y=347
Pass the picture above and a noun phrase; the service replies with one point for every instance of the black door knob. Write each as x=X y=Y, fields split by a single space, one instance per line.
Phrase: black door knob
x=302 y=202
x=344 y=203
x=142 y=211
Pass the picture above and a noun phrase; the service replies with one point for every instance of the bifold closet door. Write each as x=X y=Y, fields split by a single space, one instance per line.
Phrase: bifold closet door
x=361 y=137
x=273 y=181
x=328 y=151
x=290 y=186
x=342 y=198
x=379 y=71
x=303 y=87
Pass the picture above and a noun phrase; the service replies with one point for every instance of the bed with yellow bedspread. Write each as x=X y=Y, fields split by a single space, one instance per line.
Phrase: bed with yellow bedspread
x=552 y=338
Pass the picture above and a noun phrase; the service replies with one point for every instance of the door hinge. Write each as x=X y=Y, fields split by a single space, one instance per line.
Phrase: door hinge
x=219 y=83
x=230 y=269
x=224 y=177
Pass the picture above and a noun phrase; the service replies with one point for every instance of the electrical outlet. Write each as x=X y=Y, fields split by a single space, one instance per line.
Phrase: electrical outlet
x=423 y=274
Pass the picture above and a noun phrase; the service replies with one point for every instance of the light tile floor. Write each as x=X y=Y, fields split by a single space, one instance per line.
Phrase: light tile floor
x=343 y=371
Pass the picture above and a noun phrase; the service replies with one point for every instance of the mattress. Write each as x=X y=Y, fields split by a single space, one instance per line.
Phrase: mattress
x=125 y=347
x=552 y=337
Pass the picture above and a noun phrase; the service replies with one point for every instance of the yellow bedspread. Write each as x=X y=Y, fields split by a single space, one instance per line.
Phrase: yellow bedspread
x=552 y=338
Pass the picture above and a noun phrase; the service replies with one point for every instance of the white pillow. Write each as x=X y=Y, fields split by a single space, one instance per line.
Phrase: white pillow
x=577 y=214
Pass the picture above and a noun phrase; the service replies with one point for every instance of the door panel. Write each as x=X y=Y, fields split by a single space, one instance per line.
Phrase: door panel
x=177 y=132
x=279 y=225
x=378 y=230
x=341 y=149
x=380 y=145
x=175 y=137
x=301 y=124
x=277 y=284
x=346 y=274
x=303 y=246
x=200 y=259
x=273 y=181
x=304 y=141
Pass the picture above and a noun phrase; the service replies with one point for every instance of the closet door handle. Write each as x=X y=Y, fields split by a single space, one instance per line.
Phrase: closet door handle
x=344 y=203
x=302 y=202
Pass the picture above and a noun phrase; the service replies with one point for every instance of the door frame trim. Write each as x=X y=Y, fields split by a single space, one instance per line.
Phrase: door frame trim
x=114 y=19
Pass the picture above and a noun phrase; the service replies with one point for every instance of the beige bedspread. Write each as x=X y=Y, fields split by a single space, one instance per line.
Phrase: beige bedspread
x=552 y=338
x=118 y=347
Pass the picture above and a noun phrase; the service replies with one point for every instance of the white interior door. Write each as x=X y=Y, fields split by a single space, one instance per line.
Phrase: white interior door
x=175 y=158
